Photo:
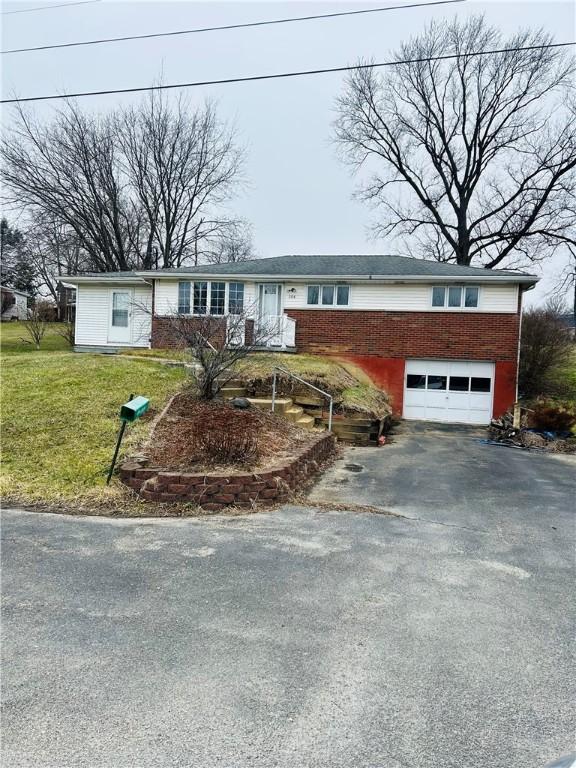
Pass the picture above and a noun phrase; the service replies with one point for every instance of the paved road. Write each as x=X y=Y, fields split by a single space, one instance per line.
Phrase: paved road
x=304 y=637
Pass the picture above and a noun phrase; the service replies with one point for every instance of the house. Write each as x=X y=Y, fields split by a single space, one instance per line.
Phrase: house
x=14 y=303
x=442 y=339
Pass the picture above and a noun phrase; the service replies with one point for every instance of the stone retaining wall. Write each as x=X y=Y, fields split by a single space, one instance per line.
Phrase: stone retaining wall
x=215 y=492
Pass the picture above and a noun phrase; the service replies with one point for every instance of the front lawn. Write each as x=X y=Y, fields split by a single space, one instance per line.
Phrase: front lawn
x=60 y=418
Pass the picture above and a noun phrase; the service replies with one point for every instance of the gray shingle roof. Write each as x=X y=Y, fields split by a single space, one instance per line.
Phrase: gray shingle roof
x=344 y=266
x=305 y=265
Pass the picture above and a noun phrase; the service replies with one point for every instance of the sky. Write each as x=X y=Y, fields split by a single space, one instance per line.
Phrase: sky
x=299 y=195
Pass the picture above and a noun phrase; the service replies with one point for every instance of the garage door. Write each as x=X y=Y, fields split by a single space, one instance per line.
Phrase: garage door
x=444 y=390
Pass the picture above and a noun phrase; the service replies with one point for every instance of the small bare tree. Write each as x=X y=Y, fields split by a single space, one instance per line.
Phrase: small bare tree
x=35 y=324
x=67 y=331
x=218 y=345
x=473 y=156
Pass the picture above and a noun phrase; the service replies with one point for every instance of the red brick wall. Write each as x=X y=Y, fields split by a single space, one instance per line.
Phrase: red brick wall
x=166 y=336
x=449 y=335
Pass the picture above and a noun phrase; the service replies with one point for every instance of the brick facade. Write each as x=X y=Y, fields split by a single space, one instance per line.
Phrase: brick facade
x=165 y=334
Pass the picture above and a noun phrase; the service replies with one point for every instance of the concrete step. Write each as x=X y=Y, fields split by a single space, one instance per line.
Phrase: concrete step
x=305 y=422
x=354 y=438
x=282 y=404
x=230 y=392
x=309 y=400
x=294 y=412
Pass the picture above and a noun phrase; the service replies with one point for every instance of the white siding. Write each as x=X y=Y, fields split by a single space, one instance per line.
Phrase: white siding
x=407 y=297
x=93 y=315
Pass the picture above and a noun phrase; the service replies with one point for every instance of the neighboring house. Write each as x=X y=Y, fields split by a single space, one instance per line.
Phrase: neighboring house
x=442 y=339
x=14 y=303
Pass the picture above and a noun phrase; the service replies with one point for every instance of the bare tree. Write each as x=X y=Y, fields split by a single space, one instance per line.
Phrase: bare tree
x=183 y=165
x=35 y=324
x=546 y=347
x=474 y=156
x=218 y=345
x=69 y=170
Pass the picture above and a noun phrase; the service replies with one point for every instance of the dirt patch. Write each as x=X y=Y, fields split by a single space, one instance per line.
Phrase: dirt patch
x=181 y=437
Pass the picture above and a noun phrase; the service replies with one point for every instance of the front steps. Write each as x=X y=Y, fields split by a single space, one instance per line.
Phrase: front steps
x=308 y=412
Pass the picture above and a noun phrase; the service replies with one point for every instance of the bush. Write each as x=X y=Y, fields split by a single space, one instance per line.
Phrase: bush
x=545 y=349
x=228 y=448
x=550 y=416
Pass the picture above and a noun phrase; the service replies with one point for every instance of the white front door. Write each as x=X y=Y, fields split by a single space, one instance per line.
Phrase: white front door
x=120 y=322
x=270 y=313
x=448 y=391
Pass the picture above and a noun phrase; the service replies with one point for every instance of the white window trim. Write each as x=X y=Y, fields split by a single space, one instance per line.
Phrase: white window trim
x=461 y=308
x=334 y=305
x=209 y=297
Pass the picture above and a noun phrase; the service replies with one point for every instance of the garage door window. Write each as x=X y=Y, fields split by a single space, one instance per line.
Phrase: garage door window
x=414 y=381
x=479 y=384
x=437 y=382
x=459 y=383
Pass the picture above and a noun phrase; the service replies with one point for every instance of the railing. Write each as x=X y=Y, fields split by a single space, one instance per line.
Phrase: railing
x=306 y=383
x=278 y=330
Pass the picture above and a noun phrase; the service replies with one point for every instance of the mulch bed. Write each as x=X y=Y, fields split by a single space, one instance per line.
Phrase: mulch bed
x=178 y=440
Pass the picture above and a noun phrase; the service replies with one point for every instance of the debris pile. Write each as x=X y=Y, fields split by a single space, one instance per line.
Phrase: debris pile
x=503 y=432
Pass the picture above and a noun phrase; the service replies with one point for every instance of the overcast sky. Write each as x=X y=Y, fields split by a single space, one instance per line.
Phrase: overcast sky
x=299 y=197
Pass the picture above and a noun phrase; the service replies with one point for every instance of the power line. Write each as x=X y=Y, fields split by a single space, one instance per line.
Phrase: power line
x=229 y=27
x=47 y=7
x=278 y=76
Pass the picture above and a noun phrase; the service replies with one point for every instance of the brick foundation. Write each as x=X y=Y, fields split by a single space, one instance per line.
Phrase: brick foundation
x=166 y=336
x=216 y=492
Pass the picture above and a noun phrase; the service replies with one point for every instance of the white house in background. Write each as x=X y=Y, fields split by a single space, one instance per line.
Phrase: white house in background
x=16 y=301
x=441 y=339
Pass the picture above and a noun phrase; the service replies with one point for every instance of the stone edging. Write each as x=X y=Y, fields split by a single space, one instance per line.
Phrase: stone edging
x=217 y=491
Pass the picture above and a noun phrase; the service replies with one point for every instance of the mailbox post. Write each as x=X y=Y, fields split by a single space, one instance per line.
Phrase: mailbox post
x=129 y=413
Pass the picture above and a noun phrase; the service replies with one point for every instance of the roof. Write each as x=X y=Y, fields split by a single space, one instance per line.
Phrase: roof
x=15 y=290
x=329 y=266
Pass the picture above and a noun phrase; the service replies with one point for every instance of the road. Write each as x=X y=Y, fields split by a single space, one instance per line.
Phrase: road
x=434 y=636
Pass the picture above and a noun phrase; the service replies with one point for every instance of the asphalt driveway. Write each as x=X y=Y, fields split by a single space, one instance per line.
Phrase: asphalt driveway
x=304 y=636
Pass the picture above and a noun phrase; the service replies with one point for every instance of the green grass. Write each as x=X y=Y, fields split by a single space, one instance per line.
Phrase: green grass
x=14 y=339
x=60 y=418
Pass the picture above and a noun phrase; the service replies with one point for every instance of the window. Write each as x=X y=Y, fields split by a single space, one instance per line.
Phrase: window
x=328 y=295
x=313 y=294
x=200 y=298
x=183 y=298
x=120 y=302
x=436 y=382
x=459 y=383
x=415 y=381
x=342 y=295
x=455 y=296
x=471 y=296
x=479 y=384
x=217 y=298
x=236 y=298
x=438 y=296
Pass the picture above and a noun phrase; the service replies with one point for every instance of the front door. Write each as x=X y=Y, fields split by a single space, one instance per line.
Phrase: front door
x=120 y=316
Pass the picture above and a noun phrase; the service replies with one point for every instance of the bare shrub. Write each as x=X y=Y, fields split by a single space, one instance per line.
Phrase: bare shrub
x=35 y=325
x=68 y=332
x=550 y=416
x=223 y=447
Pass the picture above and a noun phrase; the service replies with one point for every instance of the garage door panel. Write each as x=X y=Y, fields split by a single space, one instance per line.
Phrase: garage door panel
x=449 y=391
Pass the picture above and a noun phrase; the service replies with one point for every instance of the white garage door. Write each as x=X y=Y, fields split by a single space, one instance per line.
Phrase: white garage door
x=444 y=390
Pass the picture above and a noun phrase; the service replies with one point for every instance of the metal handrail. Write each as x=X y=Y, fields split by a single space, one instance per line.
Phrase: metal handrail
x=307 y=383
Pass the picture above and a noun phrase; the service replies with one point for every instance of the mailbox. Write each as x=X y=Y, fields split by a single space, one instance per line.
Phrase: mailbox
x=135 y=408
